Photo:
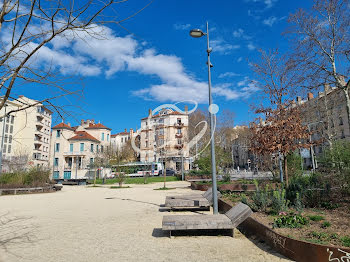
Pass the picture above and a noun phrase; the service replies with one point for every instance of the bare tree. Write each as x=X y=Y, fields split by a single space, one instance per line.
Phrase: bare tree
x=282 y=131
x=19 y=161
x=322 y=44
x=27 y=27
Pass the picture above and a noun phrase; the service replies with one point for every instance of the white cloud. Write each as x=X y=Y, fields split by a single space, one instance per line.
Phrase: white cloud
x=228 y=74
x=222 y=46
x=270 y=21
x=182 y=26
x=251 y=46
x=239 y=33
x=268 y=3
x=102 y=52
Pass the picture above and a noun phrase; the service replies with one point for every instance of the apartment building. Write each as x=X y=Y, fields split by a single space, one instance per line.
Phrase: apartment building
x=164 y=138
x=74 y=149
x=326 y=117
x=25 y=133
x=120 y=139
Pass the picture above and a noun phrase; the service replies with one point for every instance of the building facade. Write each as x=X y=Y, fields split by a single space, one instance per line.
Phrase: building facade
x=120 y=139
x=25 y=134
x=74 y=149
x=164 y=138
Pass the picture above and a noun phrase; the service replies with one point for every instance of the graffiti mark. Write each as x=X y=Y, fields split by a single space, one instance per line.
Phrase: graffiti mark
x=277 y=239
x=345 y=258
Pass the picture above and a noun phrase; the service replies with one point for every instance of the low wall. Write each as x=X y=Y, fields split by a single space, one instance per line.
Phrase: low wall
x=225 y=187
x=27 y=190
x=294 y=249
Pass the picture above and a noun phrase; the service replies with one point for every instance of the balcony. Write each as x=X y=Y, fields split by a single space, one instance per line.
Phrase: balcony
x=68 y=167
x=179 y=125
x=179 y=146
x=178 y=135
x=76 y=153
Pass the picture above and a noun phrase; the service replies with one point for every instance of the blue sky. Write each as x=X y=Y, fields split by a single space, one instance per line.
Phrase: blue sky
x=126 y=74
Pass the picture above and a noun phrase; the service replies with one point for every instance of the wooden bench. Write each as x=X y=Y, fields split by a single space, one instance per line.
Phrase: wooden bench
x=228 y=221
x=191 y=201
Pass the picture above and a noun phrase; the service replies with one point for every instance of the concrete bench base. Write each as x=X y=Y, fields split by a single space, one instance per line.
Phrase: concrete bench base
x=186 y=202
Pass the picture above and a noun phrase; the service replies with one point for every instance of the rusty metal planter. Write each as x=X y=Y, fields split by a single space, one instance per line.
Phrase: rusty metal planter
x=294 y=249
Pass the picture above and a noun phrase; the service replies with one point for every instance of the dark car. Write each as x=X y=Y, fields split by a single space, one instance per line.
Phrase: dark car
x=169 y=172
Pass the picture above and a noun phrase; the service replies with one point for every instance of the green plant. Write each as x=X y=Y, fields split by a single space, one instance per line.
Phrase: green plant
x=329 y=205
x=290 y=220
x=298 y=204
x=244 y=200
x=326 y=224
x=345 y=241
x=226 y=178
x=315 y=218
x=260 y=198
x=279 y=201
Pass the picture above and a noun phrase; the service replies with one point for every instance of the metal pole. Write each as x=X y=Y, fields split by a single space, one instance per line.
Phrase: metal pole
x=212 y=144
x=2 y=138
x=182 y=167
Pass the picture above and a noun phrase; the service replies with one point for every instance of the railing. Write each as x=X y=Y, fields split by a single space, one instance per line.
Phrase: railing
x=179 y=146
x=76 y=153
x=177 y=135
x=179 y=125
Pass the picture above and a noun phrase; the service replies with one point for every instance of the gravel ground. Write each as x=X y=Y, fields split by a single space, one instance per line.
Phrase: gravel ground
x=102 y=224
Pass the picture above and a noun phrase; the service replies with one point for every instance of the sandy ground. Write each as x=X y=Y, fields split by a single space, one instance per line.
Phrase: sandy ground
x=103 y=224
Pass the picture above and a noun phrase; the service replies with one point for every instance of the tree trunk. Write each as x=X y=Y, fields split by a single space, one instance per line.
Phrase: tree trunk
x=95 y=177
x=285 y=169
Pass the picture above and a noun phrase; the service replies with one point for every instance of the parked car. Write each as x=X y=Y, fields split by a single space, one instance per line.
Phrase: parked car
x=169 y=172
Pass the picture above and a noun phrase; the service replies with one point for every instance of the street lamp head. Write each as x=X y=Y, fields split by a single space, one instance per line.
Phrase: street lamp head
x=196 y=33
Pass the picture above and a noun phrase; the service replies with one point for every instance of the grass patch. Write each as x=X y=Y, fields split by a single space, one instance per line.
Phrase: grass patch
x=137 y=180
x=326 y=224
x=118 y=187
x=163 y=188
x=345 y=241
x=316 y=218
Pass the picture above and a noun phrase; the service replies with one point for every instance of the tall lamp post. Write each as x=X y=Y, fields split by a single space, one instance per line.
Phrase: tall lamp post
x=196 y=33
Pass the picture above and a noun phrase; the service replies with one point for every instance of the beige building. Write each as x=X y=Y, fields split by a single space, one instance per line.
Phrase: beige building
x=25 y=134
x=120 y=139
x=326 y=117
x=74 y=149
x=164 y=138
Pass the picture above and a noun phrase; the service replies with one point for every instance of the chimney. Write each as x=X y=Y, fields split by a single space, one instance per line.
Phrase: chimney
x=327 y=88
x=82 y=122
x=186 y=109
x=88 y=121
x=68 y=124
x=149 y=112
x=310 y=96
x=298 y=99
x=20 y=96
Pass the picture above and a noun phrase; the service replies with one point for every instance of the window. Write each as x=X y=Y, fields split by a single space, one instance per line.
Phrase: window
x=97 y=148
x=179 y=142
x=58 y=133
x=92 y=147
x=9 y=149
x=56 y=161
x=91 y=161
x=5 y=138
x=7 y=119
x=107 y=137
x=10 y=139
x=179 y=130
x=71 y=148
x=102 y=149
x=57 y=147
x=179 y=121
x=81 y=147
x=4 y=149
x=12 y=119
x=122 y=140
x=7 y=128
x=161 y=131
x=341 y=121
x=11 y=129
x=103 y=136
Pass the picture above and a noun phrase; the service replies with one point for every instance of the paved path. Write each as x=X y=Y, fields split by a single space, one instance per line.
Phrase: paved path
x=103 y=224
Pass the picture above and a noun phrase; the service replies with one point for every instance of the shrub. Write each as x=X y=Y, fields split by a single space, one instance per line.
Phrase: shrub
x=279 y=201
x=345 y=241
x=316 y=218
x=326 y=224
x=261 y=199
x=32 y=177
x=290 y=220
x=226 y=178
x=244 y=200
